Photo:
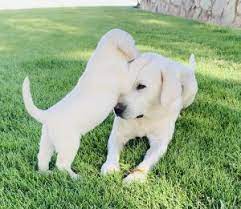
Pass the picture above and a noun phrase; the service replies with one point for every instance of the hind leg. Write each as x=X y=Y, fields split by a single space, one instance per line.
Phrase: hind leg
x=67 y=151
x=46 y=150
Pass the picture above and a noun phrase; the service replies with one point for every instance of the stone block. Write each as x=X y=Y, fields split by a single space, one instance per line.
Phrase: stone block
x=177 y=2
x=226 y=12
x=229 y=13
x=173 y=10
x=218 y=7
x=187 y=4
x=205 y=4
x=197 y=3
x=197 y=13
x=182 y=12
x=237 y=21
x=239 y=8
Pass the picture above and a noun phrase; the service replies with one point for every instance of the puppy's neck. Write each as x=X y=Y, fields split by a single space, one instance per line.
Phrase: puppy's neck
x=158 y=112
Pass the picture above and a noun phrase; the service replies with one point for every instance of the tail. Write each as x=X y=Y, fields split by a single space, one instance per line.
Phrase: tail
x=192 y=62
x=190 y=86
x=28 y=102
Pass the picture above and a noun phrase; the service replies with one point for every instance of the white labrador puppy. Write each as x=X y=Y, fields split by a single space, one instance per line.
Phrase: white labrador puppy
x=161 y=90
x=106 y=76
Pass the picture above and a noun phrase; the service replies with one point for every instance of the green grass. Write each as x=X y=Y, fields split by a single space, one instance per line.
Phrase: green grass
x=202 y=168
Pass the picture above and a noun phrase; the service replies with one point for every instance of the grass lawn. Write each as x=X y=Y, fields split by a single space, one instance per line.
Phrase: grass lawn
x=202 y=168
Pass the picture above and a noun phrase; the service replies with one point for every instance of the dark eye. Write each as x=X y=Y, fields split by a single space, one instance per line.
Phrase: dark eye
x=140 y=86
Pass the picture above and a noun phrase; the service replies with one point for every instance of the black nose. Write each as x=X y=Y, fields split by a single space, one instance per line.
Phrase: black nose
x=119 y=109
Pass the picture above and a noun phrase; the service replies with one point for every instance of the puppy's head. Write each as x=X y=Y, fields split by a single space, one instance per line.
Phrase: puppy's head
x=156 y=83
x=120 y=41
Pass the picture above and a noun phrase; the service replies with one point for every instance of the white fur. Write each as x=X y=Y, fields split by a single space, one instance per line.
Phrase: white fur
x=170 y=86
x=106 y=76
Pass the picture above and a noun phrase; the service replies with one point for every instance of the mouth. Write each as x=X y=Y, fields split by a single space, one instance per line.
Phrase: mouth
x=120 y=116
x=130 y=61
x=127 y=118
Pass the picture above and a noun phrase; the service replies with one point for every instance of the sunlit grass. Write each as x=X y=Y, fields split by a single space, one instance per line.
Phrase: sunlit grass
x=41 y=25
x=202 y=168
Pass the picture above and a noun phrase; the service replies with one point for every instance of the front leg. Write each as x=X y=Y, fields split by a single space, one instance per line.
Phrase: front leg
x=158 y=146
x=157 y=149
x=116 y=143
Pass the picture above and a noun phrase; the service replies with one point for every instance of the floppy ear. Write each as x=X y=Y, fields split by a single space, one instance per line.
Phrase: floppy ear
x=128 y=48
x=126 y=44
x=171 y=89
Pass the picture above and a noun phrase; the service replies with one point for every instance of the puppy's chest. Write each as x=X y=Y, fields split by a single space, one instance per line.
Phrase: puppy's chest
x=144 y=128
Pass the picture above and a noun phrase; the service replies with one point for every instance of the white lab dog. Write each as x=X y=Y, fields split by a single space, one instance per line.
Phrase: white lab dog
x=106 y=76
x=161 y=90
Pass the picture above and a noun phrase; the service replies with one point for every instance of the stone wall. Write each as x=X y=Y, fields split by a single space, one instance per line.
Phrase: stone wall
x=224 y=12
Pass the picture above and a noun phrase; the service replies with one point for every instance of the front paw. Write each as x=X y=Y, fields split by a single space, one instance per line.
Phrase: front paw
x=45 y=172
x=109 y=167
x=137 y=175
